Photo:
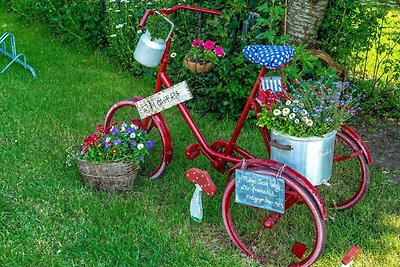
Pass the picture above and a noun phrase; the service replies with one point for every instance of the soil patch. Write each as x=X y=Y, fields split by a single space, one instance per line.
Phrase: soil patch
x=382 y=137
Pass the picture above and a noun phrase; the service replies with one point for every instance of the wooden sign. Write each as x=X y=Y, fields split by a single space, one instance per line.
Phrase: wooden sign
x=262 y=191
x=164 y=99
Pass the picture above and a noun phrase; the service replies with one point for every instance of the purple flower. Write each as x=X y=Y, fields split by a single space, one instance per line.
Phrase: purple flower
x=141 y=159
x=132 y=143
x=117 y=142
x=150 y=144
x=130 y=130
x=106 y=144
x=114 y=131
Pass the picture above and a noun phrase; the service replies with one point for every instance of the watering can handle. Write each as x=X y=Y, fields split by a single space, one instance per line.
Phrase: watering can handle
x=280 y=146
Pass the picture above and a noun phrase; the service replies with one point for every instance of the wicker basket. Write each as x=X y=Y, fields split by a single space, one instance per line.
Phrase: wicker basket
x=113 y=176
x=196 y=67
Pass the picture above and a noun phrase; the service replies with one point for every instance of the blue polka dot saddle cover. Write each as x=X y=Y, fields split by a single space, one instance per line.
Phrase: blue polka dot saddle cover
x=269 y=56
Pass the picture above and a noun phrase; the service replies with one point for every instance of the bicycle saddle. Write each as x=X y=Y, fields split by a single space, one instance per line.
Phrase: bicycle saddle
x=269 y=56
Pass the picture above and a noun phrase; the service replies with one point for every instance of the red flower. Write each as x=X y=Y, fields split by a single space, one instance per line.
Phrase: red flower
x=219 y=51
x=209 y=45
x=198 y=43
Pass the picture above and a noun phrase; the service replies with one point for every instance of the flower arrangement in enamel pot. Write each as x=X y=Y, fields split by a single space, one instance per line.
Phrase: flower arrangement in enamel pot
x=109 y=160
x=303 y=121
x=202 y=55
x=308 y=108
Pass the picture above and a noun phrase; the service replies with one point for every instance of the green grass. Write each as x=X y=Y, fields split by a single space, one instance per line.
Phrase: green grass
x=48 y=217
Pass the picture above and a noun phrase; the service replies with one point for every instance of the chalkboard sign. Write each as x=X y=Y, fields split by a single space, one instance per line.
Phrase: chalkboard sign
x=164 y=99
x=262 y=191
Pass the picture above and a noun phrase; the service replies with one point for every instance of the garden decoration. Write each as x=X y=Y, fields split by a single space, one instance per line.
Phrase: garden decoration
x=110 y=160
x=202 y=55
x=15 y=57
x=303 y=123
x=274 y=199
x=152 y=44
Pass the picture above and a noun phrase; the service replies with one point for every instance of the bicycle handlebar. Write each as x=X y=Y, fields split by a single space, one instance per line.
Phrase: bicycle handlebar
x=167 y=11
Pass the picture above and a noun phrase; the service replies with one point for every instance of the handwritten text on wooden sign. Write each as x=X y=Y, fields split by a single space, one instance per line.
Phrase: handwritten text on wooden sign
x=164 y=99
x=262 y=191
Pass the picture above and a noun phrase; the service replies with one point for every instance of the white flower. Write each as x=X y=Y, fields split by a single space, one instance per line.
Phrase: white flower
x=309 y=122
x=132 y=135
x=285 y=111
x=304 y=112
x=173 y=55
x=288 y=102
x=296 y=121
x=108 y=139
x=277 y=112
x=124 y=125
x=134 y=126
x=139 y=32
x=304 y=118
x=140 y=146
x=292 y=115
x=119 y=26
x=295 y=101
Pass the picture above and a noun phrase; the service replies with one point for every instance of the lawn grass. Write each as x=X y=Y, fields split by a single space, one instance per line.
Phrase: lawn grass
x=48 y=217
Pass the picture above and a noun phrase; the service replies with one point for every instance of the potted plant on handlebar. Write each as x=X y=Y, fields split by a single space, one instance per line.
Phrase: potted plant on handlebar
x=202 y=55
x=303 y=122
x=152 y=43
x=109 y=160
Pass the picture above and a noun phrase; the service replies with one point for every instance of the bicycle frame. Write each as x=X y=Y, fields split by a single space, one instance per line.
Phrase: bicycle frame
x=217 y=158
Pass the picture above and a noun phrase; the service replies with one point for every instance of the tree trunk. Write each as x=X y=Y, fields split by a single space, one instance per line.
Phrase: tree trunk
x=303 y=18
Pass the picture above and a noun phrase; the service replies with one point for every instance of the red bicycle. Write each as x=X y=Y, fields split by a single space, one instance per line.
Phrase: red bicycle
x=294 y=237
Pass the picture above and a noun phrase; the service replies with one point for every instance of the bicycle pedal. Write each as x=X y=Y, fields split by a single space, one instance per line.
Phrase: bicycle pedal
x=192 y=151
x=203 y=179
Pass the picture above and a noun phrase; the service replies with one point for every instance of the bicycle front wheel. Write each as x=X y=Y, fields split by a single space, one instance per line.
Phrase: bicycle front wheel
x=295 y=238
x=155 y=126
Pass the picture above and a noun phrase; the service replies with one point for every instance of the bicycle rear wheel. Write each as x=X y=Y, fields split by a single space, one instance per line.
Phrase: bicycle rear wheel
x=350 y=174
x=155 y=126
x=295 y=238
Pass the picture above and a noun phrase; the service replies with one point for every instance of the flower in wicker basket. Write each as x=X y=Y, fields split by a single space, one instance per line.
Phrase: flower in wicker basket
x=202 y=55
x=109 y=160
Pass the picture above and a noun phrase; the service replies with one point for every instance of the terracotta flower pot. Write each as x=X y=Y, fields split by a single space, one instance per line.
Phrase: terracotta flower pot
x=195 y=66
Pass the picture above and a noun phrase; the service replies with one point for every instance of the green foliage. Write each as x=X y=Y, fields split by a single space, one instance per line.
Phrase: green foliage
x=364 y=37
x=349 y=32
x=380 y=100
x=71 y=21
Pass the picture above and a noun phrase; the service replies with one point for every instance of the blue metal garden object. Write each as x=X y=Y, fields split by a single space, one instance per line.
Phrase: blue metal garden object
x=15 y=57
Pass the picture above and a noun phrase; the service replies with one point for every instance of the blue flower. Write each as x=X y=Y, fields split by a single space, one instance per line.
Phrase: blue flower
x=114 y=131
x=150 y=144
x=117 y=142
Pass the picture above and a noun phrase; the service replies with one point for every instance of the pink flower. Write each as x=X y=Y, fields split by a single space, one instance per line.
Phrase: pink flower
x=198 y=43
x=209 y=45
x=219 y=51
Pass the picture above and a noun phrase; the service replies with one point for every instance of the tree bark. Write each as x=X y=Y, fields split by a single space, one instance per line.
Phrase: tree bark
x=303 y=19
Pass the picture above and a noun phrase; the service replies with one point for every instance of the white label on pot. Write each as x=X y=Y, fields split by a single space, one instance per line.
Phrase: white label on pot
x=164 y=99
